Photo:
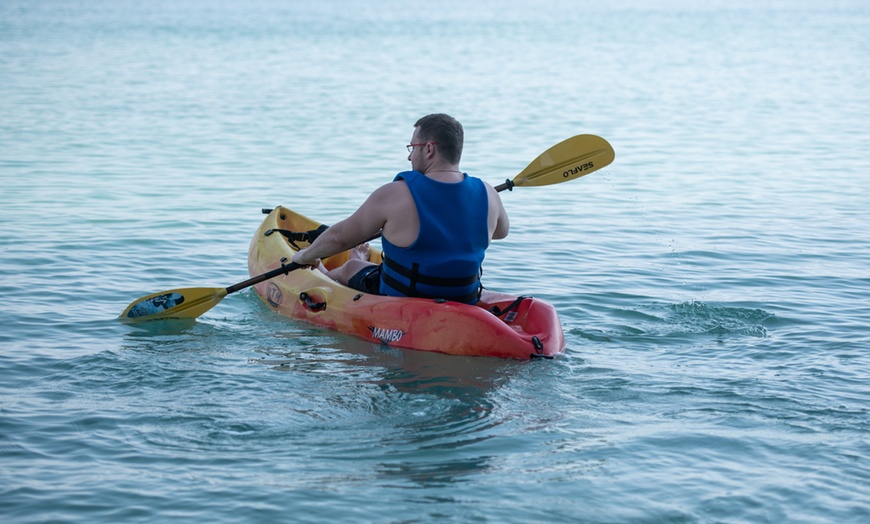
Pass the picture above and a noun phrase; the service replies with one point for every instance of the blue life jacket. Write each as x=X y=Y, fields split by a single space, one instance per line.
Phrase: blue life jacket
x=445 y=259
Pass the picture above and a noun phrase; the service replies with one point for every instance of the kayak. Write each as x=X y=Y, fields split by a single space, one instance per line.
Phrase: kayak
x=499 y=325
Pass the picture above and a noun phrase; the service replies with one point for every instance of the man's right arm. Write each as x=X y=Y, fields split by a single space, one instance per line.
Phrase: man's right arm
x=362 y=225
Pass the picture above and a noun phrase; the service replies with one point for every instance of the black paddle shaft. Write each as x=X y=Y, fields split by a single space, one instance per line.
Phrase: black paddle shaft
x=284 y=269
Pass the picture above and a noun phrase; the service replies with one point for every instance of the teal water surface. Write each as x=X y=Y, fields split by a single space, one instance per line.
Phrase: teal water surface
x=712 y=283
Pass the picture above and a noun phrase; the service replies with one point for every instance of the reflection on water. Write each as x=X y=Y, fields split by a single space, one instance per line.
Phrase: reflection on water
x=400 y=369
x=437 y=408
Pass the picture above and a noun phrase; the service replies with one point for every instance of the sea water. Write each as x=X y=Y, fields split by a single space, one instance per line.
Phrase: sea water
x=712 y=282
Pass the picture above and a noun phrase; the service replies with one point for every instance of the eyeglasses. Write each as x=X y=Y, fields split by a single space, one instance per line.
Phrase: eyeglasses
x=412 y=146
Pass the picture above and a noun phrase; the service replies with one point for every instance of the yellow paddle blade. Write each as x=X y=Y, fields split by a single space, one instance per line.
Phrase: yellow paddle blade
x=572 y=158
x=175 y=303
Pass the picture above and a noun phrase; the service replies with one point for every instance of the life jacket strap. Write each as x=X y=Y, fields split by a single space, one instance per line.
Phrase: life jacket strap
x=415 y=277
x=410 y=292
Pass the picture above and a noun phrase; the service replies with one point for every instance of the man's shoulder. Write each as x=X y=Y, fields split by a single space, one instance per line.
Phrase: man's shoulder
x=391 y=190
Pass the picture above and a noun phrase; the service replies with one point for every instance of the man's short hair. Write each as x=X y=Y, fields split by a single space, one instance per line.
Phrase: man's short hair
x=445 y=130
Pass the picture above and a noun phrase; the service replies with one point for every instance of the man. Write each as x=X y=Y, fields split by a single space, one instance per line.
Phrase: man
x=436 y=223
